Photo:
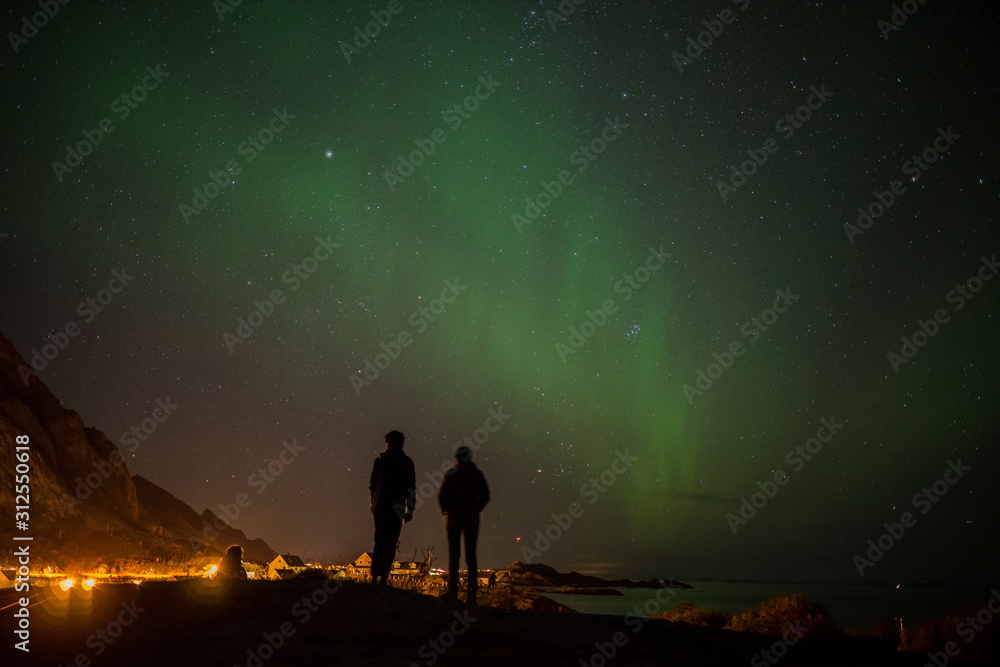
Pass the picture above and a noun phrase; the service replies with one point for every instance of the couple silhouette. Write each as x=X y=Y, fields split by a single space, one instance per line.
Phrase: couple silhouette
x=462 y=496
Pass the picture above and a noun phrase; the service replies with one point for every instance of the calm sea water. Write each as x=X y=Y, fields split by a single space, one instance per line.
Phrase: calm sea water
x=850 y=605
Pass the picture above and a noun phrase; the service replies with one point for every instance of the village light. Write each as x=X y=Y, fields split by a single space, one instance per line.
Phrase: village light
x=88 y=584
x=66 y=584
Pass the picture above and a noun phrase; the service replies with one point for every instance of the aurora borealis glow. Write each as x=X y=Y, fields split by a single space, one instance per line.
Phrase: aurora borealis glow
x=489 y=211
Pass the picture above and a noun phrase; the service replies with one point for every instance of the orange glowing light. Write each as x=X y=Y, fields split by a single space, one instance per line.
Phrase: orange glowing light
x=66 y=584
x=88 y=584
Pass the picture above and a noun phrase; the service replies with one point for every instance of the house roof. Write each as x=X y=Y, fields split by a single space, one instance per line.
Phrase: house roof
x=290 y=560
x=405 y=565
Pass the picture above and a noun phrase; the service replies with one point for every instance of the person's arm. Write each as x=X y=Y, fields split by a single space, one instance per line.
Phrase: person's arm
x=444 y=494
x=411 y=490
x=484 y=492
x=373 y=482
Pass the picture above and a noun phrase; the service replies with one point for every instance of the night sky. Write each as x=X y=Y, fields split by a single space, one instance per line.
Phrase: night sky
x=564 y=257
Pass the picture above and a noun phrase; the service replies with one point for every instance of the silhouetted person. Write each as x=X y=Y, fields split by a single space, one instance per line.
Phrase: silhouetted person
x=231 y=565
x=393 y=490
x=493 y=579
x=462 y=496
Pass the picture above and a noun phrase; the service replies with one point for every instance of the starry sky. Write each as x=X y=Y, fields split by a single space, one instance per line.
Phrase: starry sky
x=567 y=222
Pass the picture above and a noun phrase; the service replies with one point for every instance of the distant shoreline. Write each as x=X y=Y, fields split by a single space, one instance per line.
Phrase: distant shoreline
x=850 y=604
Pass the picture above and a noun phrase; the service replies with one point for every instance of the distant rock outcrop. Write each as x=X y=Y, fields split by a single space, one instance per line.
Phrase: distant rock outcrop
x=538 y=574
x=85 y=507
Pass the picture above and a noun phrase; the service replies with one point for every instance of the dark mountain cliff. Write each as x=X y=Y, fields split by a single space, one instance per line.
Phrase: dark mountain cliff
x=85 y=507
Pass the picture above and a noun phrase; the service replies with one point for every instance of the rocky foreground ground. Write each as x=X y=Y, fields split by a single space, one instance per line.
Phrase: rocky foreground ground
x=324 y=622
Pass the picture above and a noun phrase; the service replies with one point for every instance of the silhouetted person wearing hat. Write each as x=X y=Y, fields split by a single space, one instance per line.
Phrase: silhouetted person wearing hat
x=462 y=496
x=231 y=565
x=393 y=491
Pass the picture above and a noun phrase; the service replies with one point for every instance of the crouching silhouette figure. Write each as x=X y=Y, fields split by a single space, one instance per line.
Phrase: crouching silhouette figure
x=231 y=565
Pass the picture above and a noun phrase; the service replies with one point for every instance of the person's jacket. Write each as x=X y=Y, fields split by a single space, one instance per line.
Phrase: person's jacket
x=463 y=495
x=392 y=483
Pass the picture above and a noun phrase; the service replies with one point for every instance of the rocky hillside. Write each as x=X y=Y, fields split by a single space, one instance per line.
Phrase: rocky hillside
x=85 y=507
x=63 y=453
x=178 y=519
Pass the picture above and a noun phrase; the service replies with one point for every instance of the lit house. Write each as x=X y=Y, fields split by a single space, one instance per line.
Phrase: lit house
x=406 y=569
x=361 y=568
x=285 y=566
x=256 y=570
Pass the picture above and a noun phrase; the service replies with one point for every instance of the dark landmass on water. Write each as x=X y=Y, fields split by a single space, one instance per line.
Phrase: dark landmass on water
x=315 y=621
x=544 y=575
x=574 y=590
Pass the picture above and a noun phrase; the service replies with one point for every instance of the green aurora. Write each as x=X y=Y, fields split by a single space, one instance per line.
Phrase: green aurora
x=526 y=286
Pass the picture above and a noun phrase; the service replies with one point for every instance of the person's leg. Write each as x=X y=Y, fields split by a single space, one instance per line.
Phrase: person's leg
x=394 y=527
x=471 y=537
x=377 y=550
x=454 y=554
x=387 y=529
